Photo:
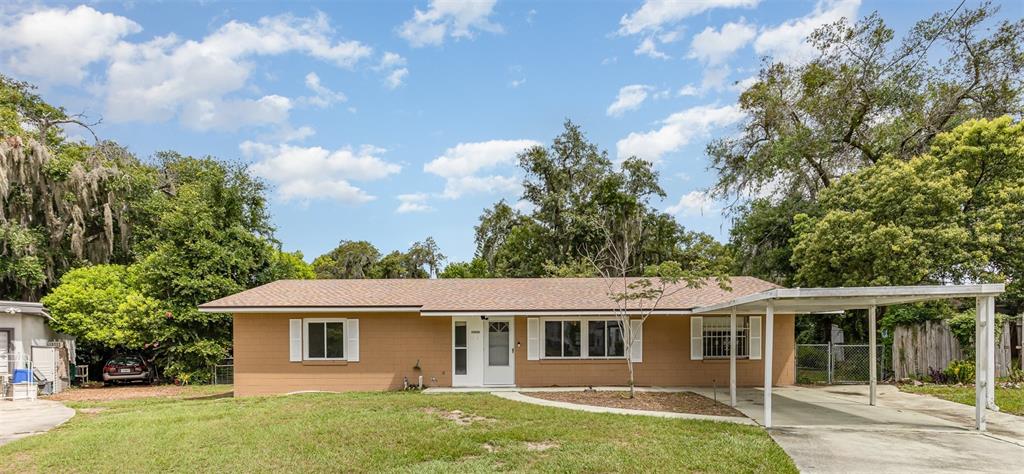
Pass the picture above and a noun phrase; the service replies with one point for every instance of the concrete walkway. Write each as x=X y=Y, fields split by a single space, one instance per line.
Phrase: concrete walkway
x=22 y=418
x=833 y=429
x=525 y=398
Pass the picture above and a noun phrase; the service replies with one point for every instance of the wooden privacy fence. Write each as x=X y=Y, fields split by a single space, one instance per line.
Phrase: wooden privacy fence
x=931 y=345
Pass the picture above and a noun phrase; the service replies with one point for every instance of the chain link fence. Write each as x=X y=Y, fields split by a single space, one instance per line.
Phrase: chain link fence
x=224 y=373
x=837 y=363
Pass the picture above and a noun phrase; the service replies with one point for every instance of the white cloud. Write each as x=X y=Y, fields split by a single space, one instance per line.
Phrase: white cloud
x=288 y=133
x=786 y=42
x=316 y=173
x=324 y=97
x=743 y=84
x=448 y=18
x=415 y=202
x=715 y=77
x=677 y=131
x=169 y=77
x=715 y=46
x=391 y=60
x=395 y=78
x=653 y=15
x=630 y=97
x=230 y=115
x=524 y=206
x=460 y=164
x=670 y=36
x=647 y=47
x=693 y=203
x=457 y=187
x=688 y=91
x=55 y=45
x=518 y=77
x=153 y=81
x=394 y=65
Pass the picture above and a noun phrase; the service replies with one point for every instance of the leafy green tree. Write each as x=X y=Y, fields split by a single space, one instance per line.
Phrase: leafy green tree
x=760 y=238
x=290 y=266
x=396 y=265
x=955 y=214
x=475 y=268
x=493 y=229
x=577 y=194
x=524 y=252
x=211 y=238
x=65 y=208
x=23 y=113
x=864 y=98
x=21 y=268
x=101 y=306
x=425 y=256
x=350 y=259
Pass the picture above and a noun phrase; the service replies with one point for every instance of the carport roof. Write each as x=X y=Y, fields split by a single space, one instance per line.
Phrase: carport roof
x=825 y=300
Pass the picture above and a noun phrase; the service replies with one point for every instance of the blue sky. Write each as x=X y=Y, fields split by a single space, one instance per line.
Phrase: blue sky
x=394 y=121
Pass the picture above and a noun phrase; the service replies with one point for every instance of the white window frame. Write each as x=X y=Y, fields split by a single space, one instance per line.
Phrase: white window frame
x=584 y=338
x=305 y=338
x=742 y=337
x=456 y=348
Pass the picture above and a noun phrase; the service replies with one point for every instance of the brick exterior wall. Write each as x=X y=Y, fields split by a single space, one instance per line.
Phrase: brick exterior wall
x=392 y=343
x=389 y=346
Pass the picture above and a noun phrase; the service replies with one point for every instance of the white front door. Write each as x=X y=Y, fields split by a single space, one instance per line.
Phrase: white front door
x=499 y=351
x=467 y=352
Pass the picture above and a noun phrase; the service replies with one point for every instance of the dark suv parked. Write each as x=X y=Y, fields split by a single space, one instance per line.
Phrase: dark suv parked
x=126 y=368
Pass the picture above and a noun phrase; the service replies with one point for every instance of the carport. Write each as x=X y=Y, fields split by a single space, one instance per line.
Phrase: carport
x=832 y=300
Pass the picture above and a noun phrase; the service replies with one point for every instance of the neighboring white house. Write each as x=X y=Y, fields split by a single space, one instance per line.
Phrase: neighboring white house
x=28 y=342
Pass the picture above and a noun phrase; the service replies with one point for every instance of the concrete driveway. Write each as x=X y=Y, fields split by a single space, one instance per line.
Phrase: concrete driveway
x=833 y=429
x=22 y=418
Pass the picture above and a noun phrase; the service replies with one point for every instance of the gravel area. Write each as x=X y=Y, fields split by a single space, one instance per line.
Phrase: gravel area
x=681 y=402
x=128 y=392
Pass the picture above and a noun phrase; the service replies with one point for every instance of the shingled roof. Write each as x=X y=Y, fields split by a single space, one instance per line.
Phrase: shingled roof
x=468 y=294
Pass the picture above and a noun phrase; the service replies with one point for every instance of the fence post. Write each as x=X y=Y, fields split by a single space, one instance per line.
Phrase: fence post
x=831 y=364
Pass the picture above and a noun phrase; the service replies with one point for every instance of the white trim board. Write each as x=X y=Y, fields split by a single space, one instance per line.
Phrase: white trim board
x=818 y=300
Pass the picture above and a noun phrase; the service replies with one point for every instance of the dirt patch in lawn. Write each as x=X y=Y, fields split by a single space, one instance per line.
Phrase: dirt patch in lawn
x=103 y=394
x=458 y=416
x=540 y=445
x=681 y=402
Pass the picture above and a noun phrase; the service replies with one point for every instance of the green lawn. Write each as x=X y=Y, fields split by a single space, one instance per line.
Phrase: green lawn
x=382 y=432
x=1010 y=400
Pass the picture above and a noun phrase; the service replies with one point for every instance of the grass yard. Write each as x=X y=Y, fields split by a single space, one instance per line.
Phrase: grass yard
x=381 y=432
x=1010 y=400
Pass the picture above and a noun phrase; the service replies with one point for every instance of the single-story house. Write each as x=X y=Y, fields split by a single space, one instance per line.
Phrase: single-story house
x=338 y=335
x=28 y=342
x=341 y=335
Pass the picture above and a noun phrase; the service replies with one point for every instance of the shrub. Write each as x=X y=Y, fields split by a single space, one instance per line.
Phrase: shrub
x=959 y=371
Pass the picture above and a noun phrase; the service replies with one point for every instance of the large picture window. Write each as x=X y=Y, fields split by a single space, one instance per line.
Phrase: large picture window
x=324 y=339
x=583 y=338
x=562 y=338
x=605 y=339
x=716 y=337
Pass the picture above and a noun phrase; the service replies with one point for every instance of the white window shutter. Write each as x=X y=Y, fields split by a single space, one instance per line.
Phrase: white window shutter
x=532 y=338
x=352 y=333
x=636 y=352
x=295 y=340
x=696 y=338
x=754 y=338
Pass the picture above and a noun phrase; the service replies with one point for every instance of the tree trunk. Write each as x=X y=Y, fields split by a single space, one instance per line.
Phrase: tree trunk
x=632 y=383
